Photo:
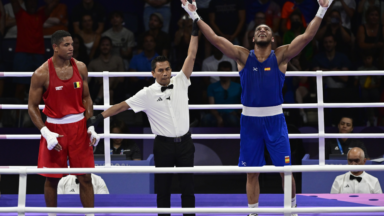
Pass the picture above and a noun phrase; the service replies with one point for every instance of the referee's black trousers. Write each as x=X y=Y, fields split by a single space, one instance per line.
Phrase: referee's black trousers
x=170 y=154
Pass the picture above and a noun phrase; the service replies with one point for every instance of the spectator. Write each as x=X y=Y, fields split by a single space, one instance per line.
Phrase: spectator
x=301 y=91
x=288 y=8
x=10 y=20
x=227 y=18
x=162 y=7
x=79 y=49
x=58 y=20
x=269 y=8
x=346 y=9
x=2 y=20
x=29 y=53
x=106 y=62
x=356 y=181
x=162 y=39
x=334 y=26
x=142 y=61
x=127 y=147
x=123 y=40
x=332 y=60
x=70 y=185
x=92 y=8
x=364 y=5
x=223 y=92
x=297 y=29
x=370 y=37
x=212 y=63
x=370 y=89
x=90 y=37
x=307 y=8
x=343 y=145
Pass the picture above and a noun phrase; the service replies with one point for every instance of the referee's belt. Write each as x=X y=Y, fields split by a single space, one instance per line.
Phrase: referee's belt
x=174 y=139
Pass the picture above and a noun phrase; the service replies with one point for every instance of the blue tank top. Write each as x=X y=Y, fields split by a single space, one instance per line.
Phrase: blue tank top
x=261 y=83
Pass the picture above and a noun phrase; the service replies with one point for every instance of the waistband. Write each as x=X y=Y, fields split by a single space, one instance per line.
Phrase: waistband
x=174 y=139
x=262 y=111
x=71 y=118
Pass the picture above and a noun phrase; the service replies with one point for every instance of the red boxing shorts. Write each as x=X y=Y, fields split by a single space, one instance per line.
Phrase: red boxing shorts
x=75 y=145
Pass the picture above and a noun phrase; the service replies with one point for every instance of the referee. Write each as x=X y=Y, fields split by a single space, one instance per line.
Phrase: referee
x=166 y=104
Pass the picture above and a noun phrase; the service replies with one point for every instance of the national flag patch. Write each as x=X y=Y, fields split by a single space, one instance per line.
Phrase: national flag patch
x=76 y=85
x=267 y=69
x=286 y=159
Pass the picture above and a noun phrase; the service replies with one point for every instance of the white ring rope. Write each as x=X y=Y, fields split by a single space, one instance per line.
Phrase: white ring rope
x=196 y=169
x=210 y=73
x=287 y=170
x=206 y=136
x=231 y=106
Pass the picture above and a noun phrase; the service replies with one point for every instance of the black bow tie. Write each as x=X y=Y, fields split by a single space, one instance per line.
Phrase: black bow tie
x=165 y=88
x=351 y=177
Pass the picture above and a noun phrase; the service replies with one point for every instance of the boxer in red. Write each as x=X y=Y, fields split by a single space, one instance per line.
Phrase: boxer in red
x=62 y=83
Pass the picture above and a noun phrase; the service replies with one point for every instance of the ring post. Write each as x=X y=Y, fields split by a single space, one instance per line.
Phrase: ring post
x=22 y=191
x=107 y=139
x=320 y=115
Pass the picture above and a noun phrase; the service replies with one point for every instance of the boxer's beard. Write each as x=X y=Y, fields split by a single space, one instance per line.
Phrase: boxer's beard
x=262 y=44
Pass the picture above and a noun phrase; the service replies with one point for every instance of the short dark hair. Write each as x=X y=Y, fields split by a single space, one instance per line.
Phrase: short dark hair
x=224 y=64
x=264 y=25
x=58 y=36
x=346 y=117
x=330 y=35
x=106 y=38
x=158 y=59
x=295 y=13
x=117 y=13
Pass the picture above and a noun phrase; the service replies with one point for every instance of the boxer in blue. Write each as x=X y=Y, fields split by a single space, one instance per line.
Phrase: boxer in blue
x=262 y=74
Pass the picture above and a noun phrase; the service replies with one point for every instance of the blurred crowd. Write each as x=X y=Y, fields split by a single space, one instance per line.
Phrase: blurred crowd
x=122 y=36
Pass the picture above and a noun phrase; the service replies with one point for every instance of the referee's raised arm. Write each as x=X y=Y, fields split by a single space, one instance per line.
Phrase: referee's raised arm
x=192 y=50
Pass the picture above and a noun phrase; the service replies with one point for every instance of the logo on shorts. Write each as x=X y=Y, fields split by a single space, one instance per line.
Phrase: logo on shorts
x=58 y=88
x=336 y=148
x=73 y=190
x=286 y=159
x=244 y=163
x=159 y=99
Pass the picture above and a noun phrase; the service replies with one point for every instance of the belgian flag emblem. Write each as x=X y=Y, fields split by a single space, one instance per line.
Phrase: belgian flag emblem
x=76 y=85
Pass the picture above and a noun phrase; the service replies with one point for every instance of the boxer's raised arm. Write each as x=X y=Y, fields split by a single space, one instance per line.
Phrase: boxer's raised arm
x=237 y=53
x=225 y=46
x=192 y=51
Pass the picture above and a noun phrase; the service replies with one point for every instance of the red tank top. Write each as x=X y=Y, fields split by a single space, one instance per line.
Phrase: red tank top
x=63 y=97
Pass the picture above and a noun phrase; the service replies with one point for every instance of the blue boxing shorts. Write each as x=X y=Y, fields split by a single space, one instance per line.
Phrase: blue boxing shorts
x=258 y=132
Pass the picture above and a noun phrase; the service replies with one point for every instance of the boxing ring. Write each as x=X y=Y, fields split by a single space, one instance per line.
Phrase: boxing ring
x=309 y=204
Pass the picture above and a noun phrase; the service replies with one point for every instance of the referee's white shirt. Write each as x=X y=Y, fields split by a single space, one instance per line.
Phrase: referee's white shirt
x=368 y=184
x=67 y=185
x=167 y=111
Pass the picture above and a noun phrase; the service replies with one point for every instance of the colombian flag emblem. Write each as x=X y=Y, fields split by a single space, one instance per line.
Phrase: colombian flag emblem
x=286 y=159
x=76 y=85
x=267 y=69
